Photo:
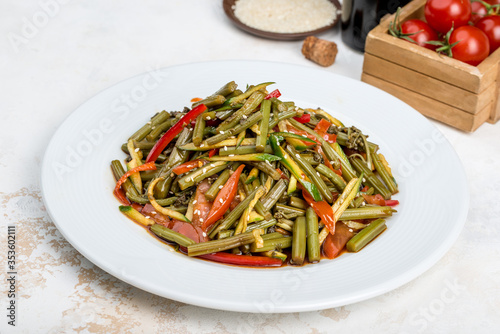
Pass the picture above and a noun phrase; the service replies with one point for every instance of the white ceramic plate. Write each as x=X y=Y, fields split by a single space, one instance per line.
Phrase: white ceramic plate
x=77 y=189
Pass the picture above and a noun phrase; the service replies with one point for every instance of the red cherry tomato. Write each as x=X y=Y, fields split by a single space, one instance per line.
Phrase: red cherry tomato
x=478 y=11
x=442 y=15
x=490 y=25
x=472 y=47
x=419 y=32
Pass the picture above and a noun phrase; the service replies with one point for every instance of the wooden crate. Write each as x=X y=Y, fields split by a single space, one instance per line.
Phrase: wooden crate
x=439 y=87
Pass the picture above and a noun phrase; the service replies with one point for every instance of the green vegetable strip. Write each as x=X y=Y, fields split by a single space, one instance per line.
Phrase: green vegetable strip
x=292 y=166
x=118 y=171
x=337 y=181
x=249 y=92
x=366 y=235
x=156 y=130
x=298 y=203
x=342 y=140
x=227 y=89
x=273 y=244
x=299 y=241
x=273 y=235
x=249 y=149
x=233 y=216
x=274 y=195
x=330 y=153
x=235 y=130
x=211 y=101
x=282 y=116
x=146 y=128
x=246 y=157
x=384 y=174
x=367 y=212
x=167 y=234
x=371 y=179
x=250 y=105
x=198 y=130
x=262 y=224
x=221 y=144
x=145 y=200
x=201 y=173
x=163 y=187
x=220 y=245
x=260 y=142
x=312 y=230
x=311 y=173
x=290 y=209
x=259 y=207
x=212 y=192
x=178 y=156
x=266 y=168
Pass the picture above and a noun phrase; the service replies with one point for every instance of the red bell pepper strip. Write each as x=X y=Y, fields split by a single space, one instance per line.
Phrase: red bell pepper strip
x=391 y=202
x=174 y=131
x=147 y=166
x=322 y=209
x=305 y=118
x=321 y=128
x=302 y=133
x=333 y=244
x=187 y=166
x=243 y=260
x=120 y=195
x=374 y=199
x=213 y=152
x=223 y=199
x=275 y=93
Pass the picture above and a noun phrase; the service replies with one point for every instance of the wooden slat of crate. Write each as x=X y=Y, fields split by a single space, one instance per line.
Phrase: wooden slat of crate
x=432 y=108
x=475 y=79
x=495 y=110
x=428 y=86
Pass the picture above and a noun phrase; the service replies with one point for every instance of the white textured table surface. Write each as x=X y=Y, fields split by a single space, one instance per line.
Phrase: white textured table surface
x=54 y=55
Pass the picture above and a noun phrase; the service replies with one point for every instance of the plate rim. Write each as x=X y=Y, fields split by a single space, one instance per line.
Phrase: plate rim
x=400 y=280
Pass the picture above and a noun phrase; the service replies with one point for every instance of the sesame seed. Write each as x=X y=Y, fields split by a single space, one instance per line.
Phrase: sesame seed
x=221 y=132
x=147 y=217
x=202 y=145
x=204 y=234
x=201 y=220
x=172 y=174
x=154 y=212
x=204 y=170
x=364 y=180
x=137 y=150
x=225 y=148
x=297 y=155
x=231 y=155
x=221 y=200
x=220 y=187
x=195 y=201
x=149 y=123
x=318 y=174
x=208 y=118
x=244 y=116
x=350 y=230
x=153 y=127
x=332 y=162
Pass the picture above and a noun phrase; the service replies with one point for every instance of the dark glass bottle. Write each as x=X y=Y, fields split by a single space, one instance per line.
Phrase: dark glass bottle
x=361 y=16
